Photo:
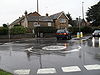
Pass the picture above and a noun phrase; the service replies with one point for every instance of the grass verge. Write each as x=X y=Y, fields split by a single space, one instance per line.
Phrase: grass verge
x=2 y=72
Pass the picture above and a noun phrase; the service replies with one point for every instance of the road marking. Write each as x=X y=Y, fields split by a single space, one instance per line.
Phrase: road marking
x=29 y=49
x=74 y=50
x=22 y=71
x=71 y=69
x=54 y=48
x=46 y=71
x=92 y=67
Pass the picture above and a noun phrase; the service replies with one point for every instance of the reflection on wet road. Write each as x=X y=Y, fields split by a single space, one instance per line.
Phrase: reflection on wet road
x=40 y=56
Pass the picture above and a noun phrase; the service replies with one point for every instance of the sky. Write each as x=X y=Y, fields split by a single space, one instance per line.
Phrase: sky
x=11 y=10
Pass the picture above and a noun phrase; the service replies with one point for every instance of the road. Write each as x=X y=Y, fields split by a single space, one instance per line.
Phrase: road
x=48 y=56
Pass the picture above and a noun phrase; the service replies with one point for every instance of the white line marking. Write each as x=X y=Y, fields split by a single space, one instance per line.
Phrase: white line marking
x=71 y=69
x=79 y=47
x=74 y=50
x=54 y=48
x=29 y=49
x=46 y=71
x=22 y=71
x=92 y=67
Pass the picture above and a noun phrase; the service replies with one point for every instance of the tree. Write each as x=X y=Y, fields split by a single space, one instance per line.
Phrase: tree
x=70 y=21
x=3 y=30
x=93 y=14
x=4 y=25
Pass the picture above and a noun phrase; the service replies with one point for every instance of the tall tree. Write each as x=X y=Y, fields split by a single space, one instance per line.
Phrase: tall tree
x=4 y=25
x=93 y=14
x=70 y=21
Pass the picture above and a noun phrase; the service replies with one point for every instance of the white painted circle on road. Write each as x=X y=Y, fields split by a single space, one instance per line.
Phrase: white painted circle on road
x=54 y=48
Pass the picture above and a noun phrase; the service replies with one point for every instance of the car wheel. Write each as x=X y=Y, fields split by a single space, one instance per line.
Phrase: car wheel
x=57 y=38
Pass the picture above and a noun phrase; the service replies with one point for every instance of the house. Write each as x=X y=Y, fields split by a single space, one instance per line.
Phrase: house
x=82 y=22
x=32 y=20
x=60 y=20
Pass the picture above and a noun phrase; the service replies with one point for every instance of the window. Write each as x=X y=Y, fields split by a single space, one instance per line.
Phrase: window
x=62 y=20
x=36 y=24
x=49 y=24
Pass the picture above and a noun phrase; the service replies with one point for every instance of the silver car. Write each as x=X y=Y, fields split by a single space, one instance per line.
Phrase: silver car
x=96 y=33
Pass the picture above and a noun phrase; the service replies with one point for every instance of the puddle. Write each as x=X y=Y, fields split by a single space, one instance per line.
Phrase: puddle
x=94 y=42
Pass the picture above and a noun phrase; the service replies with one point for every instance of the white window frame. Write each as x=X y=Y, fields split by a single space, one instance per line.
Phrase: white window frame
x=62 y=20
x=49 y=24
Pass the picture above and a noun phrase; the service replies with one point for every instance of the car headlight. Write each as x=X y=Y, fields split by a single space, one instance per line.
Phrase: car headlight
x=92 y=33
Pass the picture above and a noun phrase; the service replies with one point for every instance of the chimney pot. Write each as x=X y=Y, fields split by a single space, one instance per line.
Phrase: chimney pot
x=47 y=14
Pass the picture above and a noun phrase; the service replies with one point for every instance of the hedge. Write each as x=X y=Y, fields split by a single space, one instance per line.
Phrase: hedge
x=2 y=72
x=18 y=30
x=84 y=29
x=3 y=30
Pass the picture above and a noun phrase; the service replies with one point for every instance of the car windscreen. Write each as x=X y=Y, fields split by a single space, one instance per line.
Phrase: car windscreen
x=62 y=31
x=97 y=31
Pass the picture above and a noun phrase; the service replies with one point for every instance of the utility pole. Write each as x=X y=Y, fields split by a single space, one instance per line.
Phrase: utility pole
x=83 y=10
x=37 y=6
x=79 y=23
x=38 y=34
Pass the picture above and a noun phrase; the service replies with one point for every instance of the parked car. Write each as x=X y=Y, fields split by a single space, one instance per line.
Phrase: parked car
x=96 y=33
x=63 y=34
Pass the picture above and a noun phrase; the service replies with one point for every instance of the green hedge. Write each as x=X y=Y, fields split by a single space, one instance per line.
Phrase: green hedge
x=3 y=30
x=45 y=29
x=2 y=72
x=73 y=30
x=18 y=30
x=84 y=29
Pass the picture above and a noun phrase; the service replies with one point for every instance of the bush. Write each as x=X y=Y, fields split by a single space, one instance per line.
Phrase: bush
x=18 y=30
x=73 y=30
x=45 y=30
x=3 y=30
x=84 y=29
x=29 y=30
x=2 y=72
x=96 y=28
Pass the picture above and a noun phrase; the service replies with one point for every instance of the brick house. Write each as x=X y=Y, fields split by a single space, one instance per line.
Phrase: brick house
x=60 y=20
x=31 y=20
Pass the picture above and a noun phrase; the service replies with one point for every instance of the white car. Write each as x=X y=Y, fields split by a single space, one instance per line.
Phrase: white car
x=96 y=33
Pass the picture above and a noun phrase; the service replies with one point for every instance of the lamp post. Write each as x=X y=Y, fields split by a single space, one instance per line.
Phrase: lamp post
x=83 y=10
x=37 y=6
x=9 y=36
x=79 y=25
x=8 y=31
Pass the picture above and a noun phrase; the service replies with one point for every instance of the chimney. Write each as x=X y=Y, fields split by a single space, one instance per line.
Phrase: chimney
x=47 y=14
x=25 y=13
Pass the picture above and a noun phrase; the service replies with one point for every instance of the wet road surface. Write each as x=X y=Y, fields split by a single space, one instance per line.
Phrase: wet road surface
x=26 y=57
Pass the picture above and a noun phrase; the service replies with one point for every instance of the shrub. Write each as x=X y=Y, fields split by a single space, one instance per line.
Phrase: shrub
x=96 y=28
x=3 y=30
x=86 y=29
x=73 y=30
x=18 y=30
x=2 y=72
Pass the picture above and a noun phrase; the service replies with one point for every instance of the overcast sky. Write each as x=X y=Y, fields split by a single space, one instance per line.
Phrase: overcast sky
x=10 y=10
